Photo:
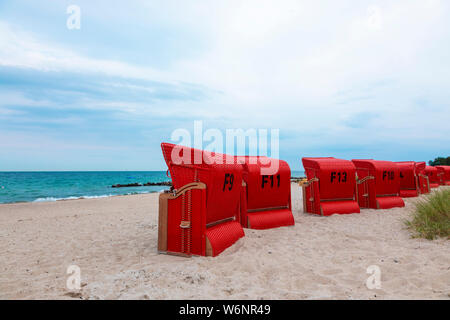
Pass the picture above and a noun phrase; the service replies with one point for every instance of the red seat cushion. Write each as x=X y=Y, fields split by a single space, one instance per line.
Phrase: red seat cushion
x=223 y=235
x=339 y=207
x=390 y=202
x=408 y=193
x=434 y=185
x=270 y=219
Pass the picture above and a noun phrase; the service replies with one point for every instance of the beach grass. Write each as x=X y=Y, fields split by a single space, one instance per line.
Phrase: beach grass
x=431 y=218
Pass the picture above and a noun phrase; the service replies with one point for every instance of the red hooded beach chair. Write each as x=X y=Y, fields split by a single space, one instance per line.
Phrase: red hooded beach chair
x=201 y=215
x=444 y=175
x=378 y=184
x=266 y=197
x=331 y=186
x=432 y=173
x=424 y=181
x=409 y=180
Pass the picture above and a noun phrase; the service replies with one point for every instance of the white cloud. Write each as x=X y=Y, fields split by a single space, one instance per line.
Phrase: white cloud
x=284 y=63
x=24 y=49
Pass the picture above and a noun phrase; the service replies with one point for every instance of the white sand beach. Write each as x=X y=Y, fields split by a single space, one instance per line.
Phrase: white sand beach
x=113 y=241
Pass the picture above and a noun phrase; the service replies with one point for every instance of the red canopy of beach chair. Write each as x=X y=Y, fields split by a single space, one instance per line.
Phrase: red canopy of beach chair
x=266 y=196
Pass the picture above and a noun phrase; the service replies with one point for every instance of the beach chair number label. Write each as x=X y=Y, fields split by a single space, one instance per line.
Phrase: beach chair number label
x=228 y=182
x=271 y=179
x=388 y=175
x=338 y=177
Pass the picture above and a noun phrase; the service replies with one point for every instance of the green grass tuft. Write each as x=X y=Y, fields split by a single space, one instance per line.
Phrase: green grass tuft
x=431 y=218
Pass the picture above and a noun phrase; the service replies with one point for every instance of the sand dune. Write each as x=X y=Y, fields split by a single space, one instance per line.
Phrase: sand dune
x=113 y=241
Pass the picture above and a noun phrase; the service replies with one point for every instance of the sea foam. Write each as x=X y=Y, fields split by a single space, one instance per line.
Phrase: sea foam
x=52 y=199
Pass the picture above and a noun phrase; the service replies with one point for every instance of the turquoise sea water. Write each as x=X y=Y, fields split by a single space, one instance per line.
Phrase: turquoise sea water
x=53 y=186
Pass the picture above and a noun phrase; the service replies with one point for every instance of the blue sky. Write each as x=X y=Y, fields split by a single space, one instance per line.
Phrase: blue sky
x=350 y=79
